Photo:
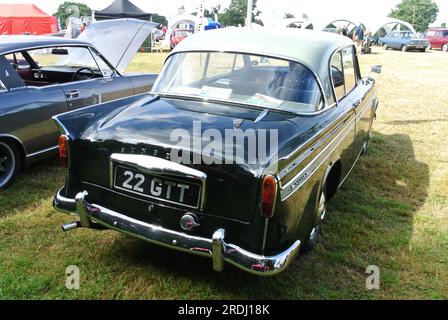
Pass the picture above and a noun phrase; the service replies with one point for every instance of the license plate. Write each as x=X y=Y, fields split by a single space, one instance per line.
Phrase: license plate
x=420 y=47
x=166 y=190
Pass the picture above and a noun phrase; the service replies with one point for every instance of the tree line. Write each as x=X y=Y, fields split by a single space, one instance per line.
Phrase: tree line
x=419 y=13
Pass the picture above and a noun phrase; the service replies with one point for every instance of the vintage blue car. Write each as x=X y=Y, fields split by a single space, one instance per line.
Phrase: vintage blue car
x=41 y=77
x=404 y=41
x=234 y=155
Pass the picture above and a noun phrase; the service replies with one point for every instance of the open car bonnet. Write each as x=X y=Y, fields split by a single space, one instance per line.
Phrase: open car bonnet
x=118 y=40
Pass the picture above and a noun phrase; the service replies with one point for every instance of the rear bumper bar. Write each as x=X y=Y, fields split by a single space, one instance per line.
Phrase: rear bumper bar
x=215 y=248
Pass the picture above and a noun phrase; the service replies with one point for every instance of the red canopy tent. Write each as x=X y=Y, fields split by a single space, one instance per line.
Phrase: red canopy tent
x=25 y=19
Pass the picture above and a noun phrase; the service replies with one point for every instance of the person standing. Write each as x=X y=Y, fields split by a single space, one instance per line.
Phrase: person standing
x=358 y=36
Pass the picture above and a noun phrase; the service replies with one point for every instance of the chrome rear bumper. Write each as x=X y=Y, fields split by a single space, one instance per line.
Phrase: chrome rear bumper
x=215 y=248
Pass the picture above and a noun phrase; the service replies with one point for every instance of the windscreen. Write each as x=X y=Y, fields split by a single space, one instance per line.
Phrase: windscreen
x=241 y=78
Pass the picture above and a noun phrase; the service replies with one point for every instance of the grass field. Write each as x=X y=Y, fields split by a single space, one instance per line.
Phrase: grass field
x=391 y=212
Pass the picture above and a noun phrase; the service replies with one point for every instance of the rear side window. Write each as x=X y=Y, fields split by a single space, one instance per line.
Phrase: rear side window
x=348 y=62
x=337 y=75
x=446 y=34
x=344 y=72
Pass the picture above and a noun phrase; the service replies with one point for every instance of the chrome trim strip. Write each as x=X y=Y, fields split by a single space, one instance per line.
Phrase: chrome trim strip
x=41 y=152
x=291 y=154
x=215 y=248
x=285 y=171
x=159 y=167
x=303 y=176
x=353 y=166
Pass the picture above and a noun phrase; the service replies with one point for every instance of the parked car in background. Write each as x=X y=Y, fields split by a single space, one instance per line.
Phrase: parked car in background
x=404 y=41
x=177 y=36
x=256 y=210
x=158 y=35
x=43 y=76
x=438 y=38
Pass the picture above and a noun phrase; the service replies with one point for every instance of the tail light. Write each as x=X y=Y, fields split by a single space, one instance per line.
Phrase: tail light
x=63 y=151
x=268 y=196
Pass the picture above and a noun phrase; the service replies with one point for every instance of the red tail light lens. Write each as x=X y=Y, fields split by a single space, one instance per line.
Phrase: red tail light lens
x=63 y=151
x=268 y=196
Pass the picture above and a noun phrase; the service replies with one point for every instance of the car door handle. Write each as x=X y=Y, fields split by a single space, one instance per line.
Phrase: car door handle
x=73 y=94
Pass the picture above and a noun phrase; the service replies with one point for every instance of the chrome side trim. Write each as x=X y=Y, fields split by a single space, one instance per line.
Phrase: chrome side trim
x=285 y=171
x=300 y=179
x=215 y=248
x=292 y=153
x=303 y=176
x=38 y=153
x=160 y=167
x=353 y=166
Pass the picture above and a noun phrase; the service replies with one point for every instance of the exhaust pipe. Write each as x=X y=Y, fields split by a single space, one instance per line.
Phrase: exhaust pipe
x=71 y=226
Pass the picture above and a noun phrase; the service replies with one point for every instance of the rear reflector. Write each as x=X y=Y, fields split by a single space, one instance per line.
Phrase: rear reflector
x=268 y=196
x=63 y=151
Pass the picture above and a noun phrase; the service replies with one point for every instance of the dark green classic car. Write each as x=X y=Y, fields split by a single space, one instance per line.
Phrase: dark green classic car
x=233 y=155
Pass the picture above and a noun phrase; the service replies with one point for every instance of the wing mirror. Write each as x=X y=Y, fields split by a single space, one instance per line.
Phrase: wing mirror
x=376 y=68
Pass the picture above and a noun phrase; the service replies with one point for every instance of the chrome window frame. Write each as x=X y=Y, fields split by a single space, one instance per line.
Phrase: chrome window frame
x=355 y=65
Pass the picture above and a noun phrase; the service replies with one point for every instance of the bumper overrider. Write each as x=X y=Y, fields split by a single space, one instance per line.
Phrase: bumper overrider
x=91 y=215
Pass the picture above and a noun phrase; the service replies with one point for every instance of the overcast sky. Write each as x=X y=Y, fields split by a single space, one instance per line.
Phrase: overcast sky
x=272 y=9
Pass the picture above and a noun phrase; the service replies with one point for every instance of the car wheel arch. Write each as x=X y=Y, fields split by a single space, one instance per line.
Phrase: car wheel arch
x=332 y=179
x=17 y=143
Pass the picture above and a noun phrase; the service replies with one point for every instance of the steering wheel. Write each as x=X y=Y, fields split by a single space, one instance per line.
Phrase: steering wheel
x=78 y=76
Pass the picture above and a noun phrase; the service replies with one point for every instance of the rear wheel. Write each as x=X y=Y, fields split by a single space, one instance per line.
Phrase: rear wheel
x=445 y=47
x=10 y=163
x=314 y=234
x=404 y=48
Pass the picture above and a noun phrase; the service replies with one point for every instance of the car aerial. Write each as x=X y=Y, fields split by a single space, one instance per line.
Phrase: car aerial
x=145 y=167
x=178 y=35
x=404 y=41
x=438 y=38
x=43 y=76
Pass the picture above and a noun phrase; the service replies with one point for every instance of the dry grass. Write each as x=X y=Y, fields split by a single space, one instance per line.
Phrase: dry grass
x=392 y=212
